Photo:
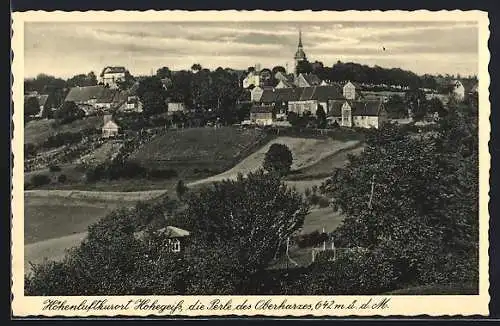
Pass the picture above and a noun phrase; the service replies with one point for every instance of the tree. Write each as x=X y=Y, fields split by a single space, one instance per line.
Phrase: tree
x=69 y=112
x=180 y=189
x=152 y=95
x=280 y=69
x=293 y=118
x=31 y=106
x=253 y=216
x=321 y=117
x=416 y=194
x=415 y=100
x=396 y=107
x=56 y=88
x=436 y=106
x=196 y=67
x=127 y=82
x=278 y=159
x=82 y=80
x=164 y=72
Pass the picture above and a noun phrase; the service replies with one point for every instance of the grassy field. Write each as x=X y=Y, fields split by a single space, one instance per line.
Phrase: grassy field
x=325 y=167
x=305 y=151
x=53 y=215
x=199 y=149
x=37 y=131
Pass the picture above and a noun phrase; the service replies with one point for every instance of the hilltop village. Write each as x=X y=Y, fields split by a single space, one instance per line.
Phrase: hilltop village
x=341 y=96
x=312 y=179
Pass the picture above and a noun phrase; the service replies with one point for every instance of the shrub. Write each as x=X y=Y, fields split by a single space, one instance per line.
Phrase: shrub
x=278 y=159
x=39 y=180
x=356 y=272
x=323 y=202
x=54 y=168
x=62 y=178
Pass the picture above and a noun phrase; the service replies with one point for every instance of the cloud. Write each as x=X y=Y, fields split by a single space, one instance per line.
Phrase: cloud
x=67 y=48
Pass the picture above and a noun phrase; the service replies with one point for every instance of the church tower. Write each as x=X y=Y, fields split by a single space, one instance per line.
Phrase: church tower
x=300 y=55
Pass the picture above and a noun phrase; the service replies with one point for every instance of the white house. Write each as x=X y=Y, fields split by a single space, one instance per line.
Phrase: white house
x=252 y=79
x=132 y=104
x=361 y=114
x=256 y=94
x=349 y=91
x=261 y=115
x=110 y=128
x=112 y=75
x=458 y=90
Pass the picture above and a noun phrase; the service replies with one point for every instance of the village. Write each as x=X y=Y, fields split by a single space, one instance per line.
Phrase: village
x=181 y=159
x=270 y=96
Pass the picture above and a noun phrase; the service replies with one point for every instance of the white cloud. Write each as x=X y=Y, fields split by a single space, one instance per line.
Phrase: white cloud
x=69 y=48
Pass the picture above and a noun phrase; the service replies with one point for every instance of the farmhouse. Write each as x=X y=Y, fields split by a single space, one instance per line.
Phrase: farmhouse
x=362 y=114
x=262 y=115
x=110 y=76
x=97 y=97
x=174 y=238
x=110 y=128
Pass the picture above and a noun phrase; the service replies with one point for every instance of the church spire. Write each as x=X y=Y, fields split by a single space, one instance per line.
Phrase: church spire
x=300 y=37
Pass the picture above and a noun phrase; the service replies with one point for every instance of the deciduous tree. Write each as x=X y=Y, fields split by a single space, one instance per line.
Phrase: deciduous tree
x=278 y=159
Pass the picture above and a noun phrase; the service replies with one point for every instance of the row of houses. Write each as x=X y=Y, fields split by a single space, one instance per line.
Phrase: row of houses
x=344 y=106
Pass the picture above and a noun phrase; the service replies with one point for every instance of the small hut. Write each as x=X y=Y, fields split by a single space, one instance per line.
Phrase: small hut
x=110 y=128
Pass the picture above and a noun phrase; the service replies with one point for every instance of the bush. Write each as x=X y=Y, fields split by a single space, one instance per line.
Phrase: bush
x=62 y=178
x=39 y=180
x=278 y=159
x=54 y=168
x=357 y=272
x=323 y=202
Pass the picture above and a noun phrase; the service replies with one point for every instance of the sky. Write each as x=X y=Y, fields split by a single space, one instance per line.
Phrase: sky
x=65 y=49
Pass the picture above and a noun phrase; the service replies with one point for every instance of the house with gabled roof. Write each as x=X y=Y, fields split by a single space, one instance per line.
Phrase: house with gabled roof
x=307 y=80
x=262 y=115
x=174 y=238
x=311 y=98
x=96 y=97
x=112 y=75
x=362 y=114
x=110 y=128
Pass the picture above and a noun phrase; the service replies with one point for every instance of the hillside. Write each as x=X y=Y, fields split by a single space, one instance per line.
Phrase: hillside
x=207 y=149
x=37 y=131
x=305 y=151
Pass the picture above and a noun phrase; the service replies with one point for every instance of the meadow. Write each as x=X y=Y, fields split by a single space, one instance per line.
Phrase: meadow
x=37 y=131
